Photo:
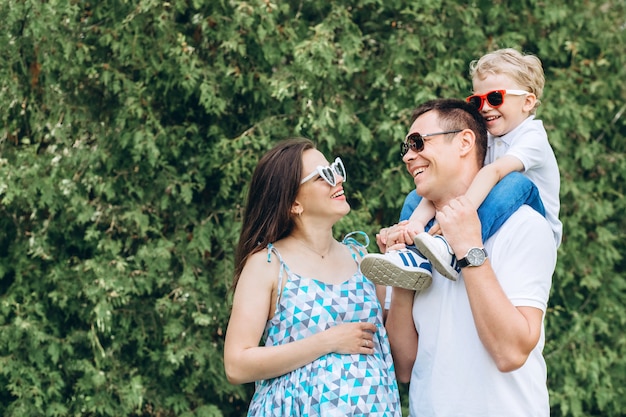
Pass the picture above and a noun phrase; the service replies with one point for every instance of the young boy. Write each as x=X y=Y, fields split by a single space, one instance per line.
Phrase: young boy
x=507 y=89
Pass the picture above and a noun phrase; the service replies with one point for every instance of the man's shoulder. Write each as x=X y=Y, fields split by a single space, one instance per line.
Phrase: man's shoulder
x=526 y=219
x=525 y=237
x=524 y=244
x=527 y=213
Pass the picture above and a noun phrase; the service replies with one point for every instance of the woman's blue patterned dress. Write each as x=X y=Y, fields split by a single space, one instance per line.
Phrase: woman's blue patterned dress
x=334 y=384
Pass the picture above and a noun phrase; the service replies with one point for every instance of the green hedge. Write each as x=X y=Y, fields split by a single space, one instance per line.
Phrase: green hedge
x=129 y=131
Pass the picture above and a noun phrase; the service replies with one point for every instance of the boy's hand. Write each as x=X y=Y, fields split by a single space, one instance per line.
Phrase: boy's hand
x=395 y=237
x=435 y=230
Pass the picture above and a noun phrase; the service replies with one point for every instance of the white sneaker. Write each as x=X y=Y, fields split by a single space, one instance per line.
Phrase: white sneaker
x=399 y=268
x=439 y=253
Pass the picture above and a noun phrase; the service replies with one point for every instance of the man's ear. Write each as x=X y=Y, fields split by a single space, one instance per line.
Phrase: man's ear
x=467 y=141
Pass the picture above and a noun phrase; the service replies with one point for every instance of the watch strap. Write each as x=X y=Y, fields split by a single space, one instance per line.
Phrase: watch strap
x=462 y=263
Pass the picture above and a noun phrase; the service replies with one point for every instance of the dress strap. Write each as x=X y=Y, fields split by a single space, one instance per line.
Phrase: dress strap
x=283 y=267
x=354 y=245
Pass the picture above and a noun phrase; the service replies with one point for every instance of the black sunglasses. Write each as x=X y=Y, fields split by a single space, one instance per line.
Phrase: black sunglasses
x=415 y=141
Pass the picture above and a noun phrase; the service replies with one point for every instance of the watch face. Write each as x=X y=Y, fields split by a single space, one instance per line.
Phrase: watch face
x=476 y=257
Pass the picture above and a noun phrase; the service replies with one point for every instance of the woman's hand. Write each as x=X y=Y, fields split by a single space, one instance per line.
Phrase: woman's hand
x=352 y=338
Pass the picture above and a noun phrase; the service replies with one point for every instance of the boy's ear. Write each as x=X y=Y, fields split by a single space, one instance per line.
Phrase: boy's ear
x=529 y=102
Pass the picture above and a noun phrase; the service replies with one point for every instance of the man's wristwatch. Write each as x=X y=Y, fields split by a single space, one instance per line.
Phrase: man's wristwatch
x=474 y=257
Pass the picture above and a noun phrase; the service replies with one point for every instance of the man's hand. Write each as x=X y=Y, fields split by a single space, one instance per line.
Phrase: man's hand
x=460 y=225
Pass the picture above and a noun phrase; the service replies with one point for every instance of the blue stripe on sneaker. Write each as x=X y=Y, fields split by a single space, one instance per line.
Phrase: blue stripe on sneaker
x=455 y=265
x=404 y=261
x=453 y=262
x=406 y=257
x=427 y=266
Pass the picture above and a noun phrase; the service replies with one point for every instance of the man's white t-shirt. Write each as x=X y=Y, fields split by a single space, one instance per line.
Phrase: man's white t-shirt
x=453 y=375
x=528 y=142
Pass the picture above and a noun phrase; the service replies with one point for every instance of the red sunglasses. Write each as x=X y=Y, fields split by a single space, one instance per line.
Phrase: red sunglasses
x=495 y=98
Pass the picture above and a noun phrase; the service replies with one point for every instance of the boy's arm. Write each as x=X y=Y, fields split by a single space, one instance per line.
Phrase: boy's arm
x=489 y=176
x=422 y=214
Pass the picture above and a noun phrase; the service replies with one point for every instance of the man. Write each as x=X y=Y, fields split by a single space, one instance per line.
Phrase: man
x=474 y=346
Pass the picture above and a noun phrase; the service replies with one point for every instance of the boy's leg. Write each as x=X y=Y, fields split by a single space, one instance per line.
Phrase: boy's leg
x=411 y=202
x=439 y=253
x=508 y=195
x=406 y=268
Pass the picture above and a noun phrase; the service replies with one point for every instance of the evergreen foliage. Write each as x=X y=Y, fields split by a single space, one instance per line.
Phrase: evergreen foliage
x=129 y=131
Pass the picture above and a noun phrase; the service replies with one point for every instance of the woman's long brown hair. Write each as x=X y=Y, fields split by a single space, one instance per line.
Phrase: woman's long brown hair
x=273 y=190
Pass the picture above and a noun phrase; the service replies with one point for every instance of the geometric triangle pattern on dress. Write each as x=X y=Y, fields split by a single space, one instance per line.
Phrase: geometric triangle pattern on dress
x=334 y=384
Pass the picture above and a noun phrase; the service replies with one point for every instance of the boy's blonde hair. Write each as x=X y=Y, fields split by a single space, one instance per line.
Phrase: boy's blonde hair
x=525 y=69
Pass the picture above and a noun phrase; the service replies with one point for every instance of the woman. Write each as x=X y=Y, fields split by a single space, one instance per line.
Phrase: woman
x=325 y=348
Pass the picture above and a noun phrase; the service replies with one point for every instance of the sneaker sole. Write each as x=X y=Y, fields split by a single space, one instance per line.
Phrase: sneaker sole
x=384 y=272
x=429 y=253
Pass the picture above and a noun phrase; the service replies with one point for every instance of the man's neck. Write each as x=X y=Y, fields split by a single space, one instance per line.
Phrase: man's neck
x=459 y=189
